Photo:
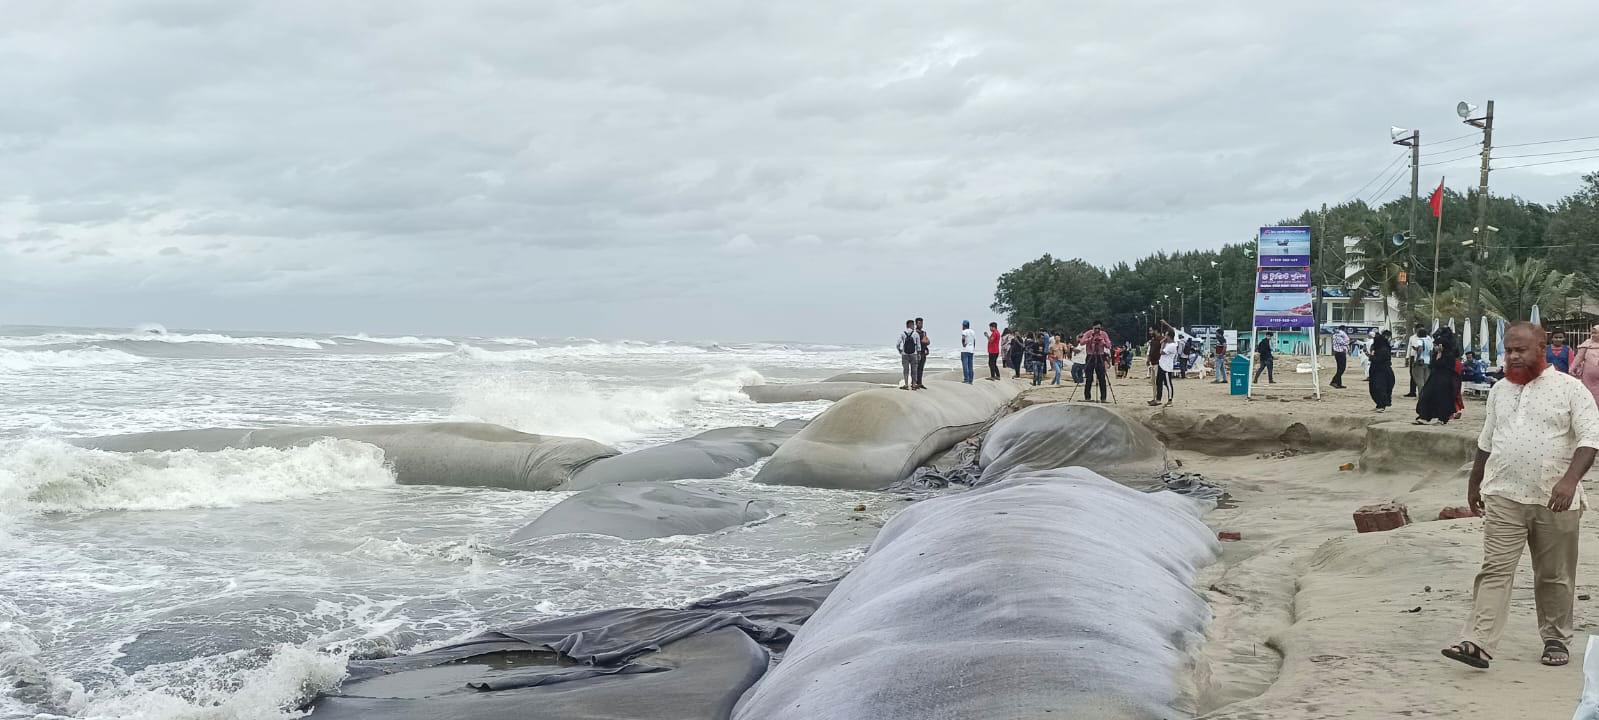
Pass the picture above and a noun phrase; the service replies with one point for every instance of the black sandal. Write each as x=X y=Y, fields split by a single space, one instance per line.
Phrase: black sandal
x=1552 y=648
x=1469 y=653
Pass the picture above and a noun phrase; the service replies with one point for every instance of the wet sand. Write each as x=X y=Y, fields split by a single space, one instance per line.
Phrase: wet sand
x=1313 y=620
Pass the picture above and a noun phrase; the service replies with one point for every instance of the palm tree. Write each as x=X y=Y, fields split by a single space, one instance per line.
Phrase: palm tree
x=1511 y=292
x=1381 y=263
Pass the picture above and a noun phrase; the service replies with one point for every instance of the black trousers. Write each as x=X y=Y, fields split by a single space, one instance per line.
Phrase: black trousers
x=1342 y=361
x=1382 y=385
x=1016 y=364
x=1266 y=365
x=917 y=368
x=993 y=365
x=1095 y=368
x=1164 y=389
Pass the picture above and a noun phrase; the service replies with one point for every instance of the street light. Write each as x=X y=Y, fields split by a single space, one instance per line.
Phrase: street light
x=1182 y=300
x=1221 y=294
x=1201 y=306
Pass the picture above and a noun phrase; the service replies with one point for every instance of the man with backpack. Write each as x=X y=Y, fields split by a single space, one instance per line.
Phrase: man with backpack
x=908 y=346
x=1264 y=352
x=921 y=356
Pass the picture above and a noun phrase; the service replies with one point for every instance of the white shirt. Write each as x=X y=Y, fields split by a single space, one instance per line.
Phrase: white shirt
x=968 y=341
x=1168 y=356
x=1340 y=341
x=1531 y=432
x=1080 y=355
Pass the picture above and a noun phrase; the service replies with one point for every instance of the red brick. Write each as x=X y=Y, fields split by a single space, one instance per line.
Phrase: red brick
x=1380 y=518
x=1456 y=513
x=1229 y=536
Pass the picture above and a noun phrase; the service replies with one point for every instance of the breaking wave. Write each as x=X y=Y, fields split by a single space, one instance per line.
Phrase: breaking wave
x=576 y=405
x=49 y=476
x=19 y=360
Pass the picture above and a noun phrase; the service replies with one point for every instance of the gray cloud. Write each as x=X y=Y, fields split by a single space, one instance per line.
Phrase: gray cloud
x=705 y=170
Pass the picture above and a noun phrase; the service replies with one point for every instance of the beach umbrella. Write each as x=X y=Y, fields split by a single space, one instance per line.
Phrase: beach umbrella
x=1484 y=333
x=1452 y=326
x=1535 y=314
x=1465 y=337
x=1499 y=344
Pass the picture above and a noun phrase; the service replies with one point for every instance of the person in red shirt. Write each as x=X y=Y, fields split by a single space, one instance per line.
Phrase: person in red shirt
x=993 y=336
x=1097 y=342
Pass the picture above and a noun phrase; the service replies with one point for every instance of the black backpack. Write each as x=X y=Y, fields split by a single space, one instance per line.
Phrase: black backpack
x=908 y=343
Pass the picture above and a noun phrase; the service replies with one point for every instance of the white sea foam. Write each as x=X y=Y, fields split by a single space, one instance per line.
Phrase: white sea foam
x=162 y=337
x=593 y=349
x=20 y=360
x=51 y=476
x=575 y=405
x=404 y=340
x=232 y=686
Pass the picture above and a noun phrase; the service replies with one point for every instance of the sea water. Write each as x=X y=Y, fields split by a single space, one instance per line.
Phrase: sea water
x=236 y=584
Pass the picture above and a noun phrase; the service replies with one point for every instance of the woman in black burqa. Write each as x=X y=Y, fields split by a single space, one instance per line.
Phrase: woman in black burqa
x=1437 y=398
x=1381 y=376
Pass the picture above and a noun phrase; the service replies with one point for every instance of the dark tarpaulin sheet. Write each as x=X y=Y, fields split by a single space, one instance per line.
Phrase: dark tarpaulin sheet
x=691 y=662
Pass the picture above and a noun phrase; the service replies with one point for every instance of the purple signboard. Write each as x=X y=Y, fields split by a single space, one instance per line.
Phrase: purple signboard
x=1284 y=247
x=1283 y=280
x=1283 y=311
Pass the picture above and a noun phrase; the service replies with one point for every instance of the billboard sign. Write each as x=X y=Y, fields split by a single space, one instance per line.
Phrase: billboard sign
x=1284 y=311
x=1282 y=280
x=1284 y=247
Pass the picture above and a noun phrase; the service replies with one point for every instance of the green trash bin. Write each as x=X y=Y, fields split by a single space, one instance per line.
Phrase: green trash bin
x=1240 y=375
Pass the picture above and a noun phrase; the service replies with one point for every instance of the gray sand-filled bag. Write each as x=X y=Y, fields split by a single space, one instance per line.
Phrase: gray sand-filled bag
x=1057 y=435
x=872 y=439
x=635 y=511
x=706 y=456
x=1055 y=593
x=461 y=454
x=806 y=392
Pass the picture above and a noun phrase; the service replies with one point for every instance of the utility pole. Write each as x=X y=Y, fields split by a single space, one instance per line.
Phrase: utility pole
x=1480 y=234
x=1412 y=141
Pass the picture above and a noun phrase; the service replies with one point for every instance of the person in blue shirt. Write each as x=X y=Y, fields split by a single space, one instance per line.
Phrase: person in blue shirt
x=1475 y=370
x=1559 y=354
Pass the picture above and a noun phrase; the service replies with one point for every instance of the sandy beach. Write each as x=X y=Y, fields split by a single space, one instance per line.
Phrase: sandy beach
x=1313 y=620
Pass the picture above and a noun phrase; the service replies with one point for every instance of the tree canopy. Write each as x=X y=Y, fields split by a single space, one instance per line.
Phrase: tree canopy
x=1539 y=254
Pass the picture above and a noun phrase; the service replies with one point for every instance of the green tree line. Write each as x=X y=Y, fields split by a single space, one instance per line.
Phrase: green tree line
x=1541 y=254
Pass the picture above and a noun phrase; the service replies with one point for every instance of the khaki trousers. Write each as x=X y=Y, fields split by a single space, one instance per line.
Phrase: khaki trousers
x=1508 y=527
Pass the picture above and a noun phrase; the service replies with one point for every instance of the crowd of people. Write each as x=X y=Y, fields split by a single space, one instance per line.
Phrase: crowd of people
x=1037 y=353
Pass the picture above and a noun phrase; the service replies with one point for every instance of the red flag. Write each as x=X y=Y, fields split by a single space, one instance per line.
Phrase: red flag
x=1437 y=200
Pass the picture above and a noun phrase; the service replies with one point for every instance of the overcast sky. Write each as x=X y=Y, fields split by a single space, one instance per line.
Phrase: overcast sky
x=706 y=170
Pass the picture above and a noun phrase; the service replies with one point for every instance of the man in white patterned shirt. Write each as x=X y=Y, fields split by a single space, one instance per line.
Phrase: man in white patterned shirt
x=1538 y=440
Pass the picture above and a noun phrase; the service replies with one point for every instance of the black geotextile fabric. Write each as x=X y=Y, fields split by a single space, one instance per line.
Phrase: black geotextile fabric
x=691 y=662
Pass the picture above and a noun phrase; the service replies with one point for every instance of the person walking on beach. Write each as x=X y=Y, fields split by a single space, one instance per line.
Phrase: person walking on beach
x=924 y=344
x=968 y=351
x=1057 y=357
x=1585 y=364
x=1218 y=354
x=1018 y=349
x=1033 y=350
x=1165 y=368
x=1560 y=354
x=1079 y=360
x=1340 y=352
x=1382 y=371
x=1095 y=344
x=1538 y=439
x=993 y=336
x=1263 y=352
x=908 y=346
x=1419 y=354
x=1436 y=400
